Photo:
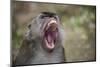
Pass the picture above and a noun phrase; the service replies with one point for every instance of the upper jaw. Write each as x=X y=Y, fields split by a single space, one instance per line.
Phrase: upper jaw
x=53 y=24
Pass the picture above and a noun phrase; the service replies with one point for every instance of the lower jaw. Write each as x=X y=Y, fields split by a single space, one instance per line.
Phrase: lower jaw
x=48 y=44
x=48 y=47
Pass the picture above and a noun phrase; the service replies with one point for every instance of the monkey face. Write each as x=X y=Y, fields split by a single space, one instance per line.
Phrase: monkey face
x=50 y=31
x=50 y=34
x=46 y=27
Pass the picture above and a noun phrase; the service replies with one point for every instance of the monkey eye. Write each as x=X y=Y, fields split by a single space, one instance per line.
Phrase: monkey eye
x=55 y=17
x=43 y=16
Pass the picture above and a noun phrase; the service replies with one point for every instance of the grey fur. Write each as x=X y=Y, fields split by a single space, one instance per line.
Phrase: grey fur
x=32 y=52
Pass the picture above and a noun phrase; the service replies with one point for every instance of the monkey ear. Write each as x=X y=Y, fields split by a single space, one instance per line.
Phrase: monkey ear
x=29 y=26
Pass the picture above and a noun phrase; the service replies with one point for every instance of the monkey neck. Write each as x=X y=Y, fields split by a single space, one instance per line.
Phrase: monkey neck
x=41 y=56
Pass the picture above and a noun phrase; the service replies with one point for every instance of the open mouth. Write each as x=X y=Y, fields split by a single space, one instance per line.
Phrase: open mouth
x=50 y=34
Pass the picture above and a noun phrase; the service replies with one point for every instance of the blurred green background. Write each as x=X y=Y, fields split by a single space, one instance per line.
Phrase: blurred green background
x=78 y=22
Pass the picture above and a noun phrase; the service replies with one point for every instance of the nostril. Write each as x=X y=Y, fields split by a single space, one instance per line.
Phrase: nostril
x=52 y=21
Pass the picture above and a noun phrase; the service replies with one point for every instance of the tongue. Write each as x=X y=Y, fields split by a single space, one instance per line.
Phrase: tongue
x=49 y=39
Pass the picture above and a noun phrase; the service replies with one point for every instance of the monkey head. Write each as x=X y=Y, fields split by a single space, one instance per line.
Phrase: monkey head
x=46 y=26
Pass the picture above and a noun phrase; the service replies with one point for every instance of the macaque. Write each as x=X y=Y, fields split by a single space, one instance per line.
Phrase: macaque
x=42 y=43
